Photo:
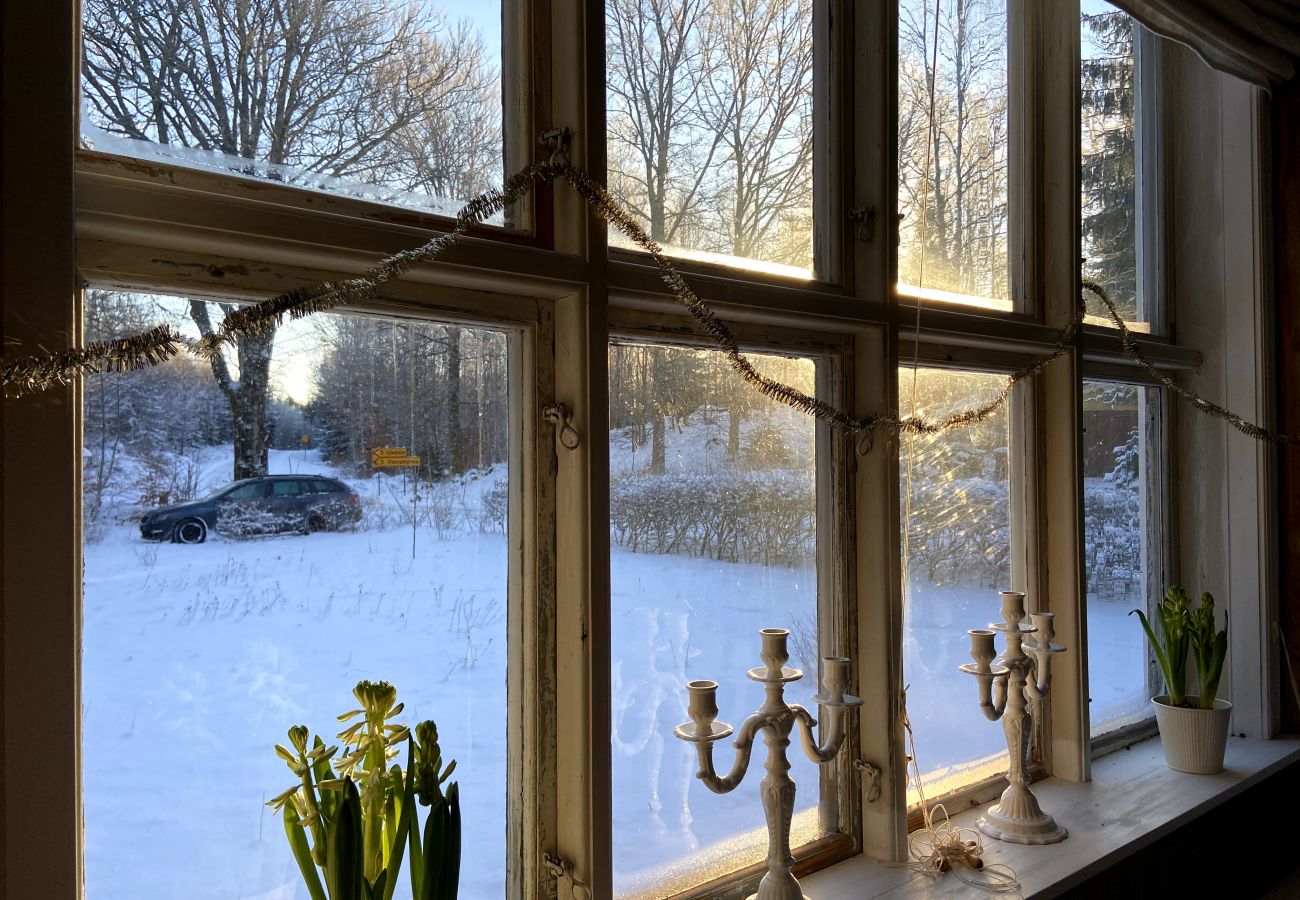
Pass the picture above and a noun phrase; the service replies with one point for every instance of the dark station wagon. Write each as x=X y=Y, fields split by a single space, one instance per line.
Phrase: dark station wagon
x=262 y=505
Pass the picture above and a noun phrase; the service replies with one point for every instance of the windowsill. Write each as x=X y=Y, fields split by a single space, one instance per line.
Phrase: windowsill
x=1133 y=800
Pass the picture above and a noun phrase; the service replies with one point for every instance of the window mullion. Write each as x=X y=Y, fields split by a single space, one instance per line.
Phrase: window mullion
x=877 y=592
x=1054 y=218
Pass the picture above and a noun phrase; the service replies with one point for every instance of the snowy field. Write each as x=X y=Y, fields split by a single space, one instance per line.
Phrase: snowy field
x=198 y=658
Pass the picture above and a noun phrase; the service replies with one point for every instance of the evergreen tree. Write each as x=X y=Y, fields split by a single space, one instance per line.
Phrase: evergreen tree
x=1108 y=165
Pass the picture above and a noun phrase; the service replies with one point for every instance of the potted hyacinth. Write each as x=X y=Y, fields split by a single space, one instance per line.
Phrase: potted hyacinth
x=1193 y=726
x=351 y=818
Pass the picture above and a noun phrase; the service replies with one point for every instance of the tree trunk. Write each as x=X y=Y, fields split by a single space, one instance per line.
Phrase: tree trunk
x=454 y=441
x=248 y=396
x=248 y=405
x=733 y=432
x=657 y=455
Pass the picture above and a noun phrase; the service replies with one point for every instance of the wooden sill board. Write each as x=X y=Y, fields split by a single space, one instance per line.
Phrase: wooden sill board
x=1133 y=800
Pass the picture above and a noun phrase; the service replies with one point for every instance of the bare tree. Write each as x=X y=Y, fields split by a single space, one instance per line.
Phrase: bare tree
x=282 y=87
x=952 y=164
x=659 y=159
x=758 y=104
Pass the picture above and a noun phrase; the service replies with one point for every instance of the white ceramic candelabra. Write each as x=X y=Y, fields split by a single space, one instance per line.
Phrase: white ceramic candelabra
x=1021 y=674
x=775 y=719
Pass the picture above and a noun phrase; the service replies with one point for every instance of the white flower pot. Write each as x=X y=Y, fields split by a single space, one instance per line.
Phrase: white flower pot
x=1194 y=740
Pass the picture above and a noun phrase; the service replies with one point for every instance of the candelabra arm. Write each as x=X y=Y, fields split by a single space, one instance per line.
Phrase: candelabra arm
x=744 y=745
x=993 y=696
x=1038 y=677
x=834 y=738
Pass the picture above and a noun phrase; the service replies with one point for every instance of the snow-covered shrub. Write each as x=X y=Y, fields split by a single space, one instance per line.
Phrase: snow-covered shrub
x=165 y=478
x=960 y=531
x=243 y=520
x=442 y=508
x=494 y=505
x=766 y=448
x=754 y=517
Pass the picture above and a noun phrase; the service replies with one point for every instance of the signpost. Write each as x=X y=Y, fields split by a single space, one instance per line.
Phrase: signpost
x=399 y=458
x=392 y=458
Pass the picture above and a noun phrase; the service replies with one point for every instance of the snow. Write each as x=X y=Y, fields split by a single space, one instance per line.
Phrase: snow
x=96 y=138
x=198 y=658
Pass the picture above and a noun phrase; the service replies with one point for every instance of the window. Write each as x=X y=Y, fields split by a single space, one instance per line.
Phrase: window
x=550 y=392
x=261 y=607
x=713 y=526
x=1118 y=139
x=957 y=548
x=710 y=127
x=953 y=152
x=1123 y=503
x=379 y=100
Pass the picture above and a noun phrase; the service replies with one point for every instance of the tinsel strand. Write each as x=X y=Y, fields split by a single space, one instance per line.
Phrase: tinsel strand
x=161 y=343
x=1131 y=348
x=38 y=373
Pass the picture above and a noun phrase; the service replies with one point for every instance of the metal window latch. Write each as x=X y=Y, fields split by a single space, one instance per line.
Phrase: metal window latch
x=873 y=772
x=562 y=868
x=555 y=141
x=561 y=416
x=865 y=218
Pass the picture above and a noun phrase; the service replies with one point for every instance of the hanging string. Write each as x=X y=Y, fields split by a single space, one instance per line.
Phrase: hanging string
x=939 y=846
x=40 y=372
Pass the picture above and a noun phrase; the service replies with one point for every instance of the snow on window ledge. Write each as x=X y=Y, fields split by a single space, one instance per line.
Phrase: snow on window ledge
x=1103 y=810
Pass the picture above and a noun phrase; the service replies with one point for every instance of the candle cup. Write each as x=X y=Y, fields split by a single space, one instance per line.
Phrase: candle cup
x=774 y=653
x=835 y=680
x=702 y=705
x=1013 y=607
x=1044 y=628
x=982 y=649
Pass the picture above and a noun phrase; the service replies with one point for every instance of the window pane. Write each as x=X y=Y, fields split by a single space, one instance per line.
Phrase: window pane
x=713 y=526
x=199 y=656
x=1113 y=224
x=1121 y=425
x=381 y=100
x=952 y=165
x=957 y=521
x=710 y=127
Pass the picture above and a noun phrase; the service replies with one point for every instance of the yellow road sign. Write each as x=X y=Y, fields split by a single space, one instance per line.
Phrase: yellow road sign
x=380 y=452
x=395 y=462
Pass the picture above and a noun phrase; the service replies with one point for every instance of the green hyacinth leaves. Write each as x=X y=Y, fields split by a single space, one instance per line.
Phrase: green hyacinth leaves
x=1186 y=627
x=343 y=848
x=352 y=818
x=435 y=866
x=1210 y=649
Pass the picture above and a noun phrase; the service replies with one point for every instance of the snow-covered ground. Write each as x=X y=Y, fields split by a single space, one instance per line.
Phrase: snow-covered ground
x=198 y=658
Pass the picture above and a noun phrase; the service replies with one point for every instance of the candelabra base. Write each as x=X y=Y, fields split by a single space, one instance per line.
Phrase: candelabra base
x=1018 y=819
x=778 y=885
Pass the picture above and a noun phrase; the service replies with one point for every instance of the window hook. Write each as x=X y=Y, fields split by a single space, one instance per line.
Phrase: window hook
x=874 y=772
x=556 y=142
x=560 y=415
x=563 y=868
x=865 y=218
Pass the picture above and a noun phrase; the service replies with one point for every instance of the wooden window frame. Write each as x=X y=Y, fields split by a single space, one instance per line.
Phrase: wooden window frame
x=88 y=217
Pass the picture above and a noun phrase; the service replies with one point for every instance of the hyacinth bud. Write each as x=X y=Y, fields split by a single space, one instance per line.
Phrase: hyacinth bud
x=426 y=733
x=376 y=697
x=298 y=735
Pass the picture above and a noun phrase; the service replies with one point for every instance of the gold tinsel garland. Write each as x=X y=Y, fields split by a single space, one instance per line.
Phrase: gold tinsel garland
x=36 y=373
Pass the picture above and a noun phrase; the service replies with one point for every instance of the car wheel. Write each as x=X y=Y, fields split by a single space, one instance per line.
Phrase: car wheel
x=315 y=522
x=190 y=531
